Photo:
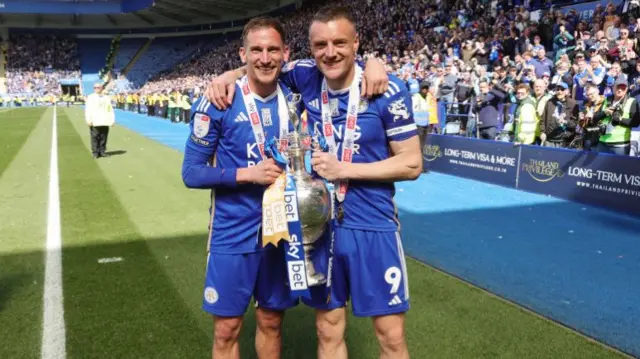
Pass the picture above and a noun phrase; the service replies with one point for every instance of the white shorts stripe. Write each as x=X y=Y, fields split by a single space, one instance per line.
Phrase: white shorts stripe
x=403 y=263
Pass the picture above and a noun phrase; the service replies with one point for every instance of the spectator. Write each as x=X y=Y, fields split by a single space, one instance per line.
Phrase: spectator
x=621 y=115
x=559 y=118
x=525 y=116
x=487 y=103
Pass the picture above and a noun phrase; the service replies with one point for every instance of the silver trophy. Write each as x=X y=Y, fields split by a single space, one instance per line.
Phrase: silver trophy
x=314 y=200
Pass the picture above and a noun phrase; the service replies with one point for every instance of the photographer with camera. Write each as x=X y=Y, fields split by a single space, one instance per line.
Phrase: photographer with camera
x=559 y=119
x=617 y=120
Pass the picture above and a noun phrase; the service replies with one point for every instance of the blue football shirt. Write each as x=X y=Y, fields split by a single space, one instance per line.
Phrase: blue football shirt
x=219 y=143
x=368 y=204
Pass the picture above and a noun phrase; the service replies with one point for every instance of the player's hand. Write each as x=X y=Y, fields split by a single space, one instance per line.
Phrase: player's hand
x=375 y=80
x=265 y=172
x=221 y=89
x=327 y=166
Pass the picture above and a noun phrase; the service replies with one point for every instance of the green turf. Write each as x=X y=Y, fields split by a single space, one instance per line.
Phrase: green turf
x=118 y=310
x=134 y=206
x=16 y=126
x=25 y=138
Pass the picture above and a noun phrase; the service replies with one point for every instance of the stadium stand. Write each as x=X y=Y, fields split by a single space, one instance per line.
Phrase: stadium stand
x=3 y=65
x=452 y=46
x=92 y=56
x=162 y=55
x=36 y=63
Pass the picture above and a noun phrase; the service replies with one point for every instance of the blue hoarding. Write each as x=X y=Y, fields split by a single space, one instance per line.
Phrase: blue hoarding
x=600 y=179
x=488 y=161
x=588 y=177
x=69 y=7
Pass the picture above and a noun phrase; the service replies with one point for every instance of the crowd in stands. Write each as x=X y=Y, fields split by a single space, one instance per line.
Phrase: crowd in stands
x=474 y=55
x=37 y=63
x=511 y=70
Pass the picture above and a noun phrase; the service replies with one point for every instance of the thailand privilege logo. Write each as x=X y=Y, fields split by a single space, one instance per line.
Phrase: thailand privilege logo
x=543 y=171
x=431 y=152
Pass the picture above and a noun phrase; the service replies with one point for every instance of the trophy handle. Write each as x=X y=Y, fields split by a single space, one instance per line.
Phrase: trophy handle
x=293 y=99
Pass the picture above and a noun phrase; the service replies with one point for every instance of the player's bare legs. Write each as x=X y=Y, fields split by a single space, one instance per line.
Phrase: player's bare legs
x=226 y=331
x=389 y=330
x=330 y=325
x=268 y=333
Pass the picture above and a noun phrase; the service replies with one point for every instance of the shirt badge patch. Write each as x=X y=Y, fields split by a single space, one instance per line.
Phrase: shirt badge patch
x=201 y=124
x=289 y=66
x=399 y=110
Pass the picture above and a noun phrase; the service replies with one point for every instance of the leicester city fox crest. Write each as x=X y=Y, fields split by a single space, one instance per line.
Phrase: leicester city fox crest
x=363 y=105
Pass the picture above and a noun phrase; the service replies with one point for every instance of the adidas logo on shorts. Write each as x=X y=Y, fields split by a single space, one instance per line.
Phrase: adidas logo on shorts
x=395 y=301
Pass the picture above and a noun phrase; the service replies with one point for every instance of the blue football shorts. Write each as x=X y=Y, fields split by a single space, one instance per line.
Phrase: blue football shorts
x=369 y=269
x=232 y=279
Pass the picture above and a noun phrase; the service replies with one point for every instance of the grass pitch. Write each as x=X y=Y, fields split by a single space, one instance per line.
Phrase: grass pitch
x=132 y=209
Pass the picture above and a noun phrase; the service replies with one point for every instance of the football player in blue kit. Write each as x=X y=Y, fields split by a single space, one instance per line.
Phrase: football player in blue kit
x=225 y=153
x=372 y=144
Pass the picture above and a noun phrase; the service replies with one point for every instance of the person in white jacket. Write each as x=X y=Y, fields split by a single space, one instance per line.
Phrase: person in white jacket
x=99 y=116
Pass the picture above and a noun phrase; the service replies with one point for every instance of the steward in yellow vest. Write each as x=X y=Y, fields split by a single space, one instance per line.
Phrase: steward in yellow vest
x=525 y=116
x=186 y=107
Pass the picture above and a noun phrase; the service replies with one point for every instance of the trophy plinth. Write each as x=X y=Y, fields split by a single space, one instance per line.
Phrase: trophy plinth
x=314 y=202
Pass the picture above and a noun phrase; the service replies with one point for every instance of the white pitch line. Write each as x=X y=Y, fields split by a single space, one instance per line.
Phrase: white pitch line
x=53 y=327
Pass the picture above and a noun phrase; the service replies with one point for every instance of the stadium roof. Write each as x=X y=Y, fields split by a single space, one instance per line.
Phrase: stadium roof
x=162 y=13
